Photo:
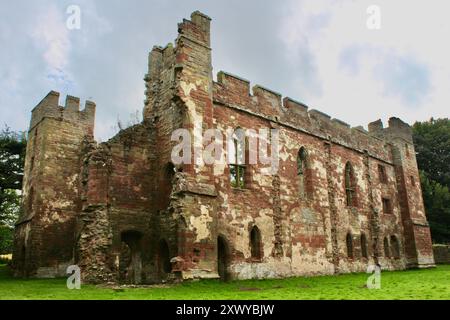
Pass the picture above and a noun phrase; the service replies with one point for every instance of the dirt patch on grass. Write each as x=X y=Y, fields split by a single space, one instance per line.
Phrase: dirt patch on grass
x=249 y=289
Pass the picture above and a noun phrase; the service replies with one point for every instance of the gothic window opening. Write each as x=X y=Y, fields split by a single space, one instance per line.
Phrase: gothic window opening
x=395 y=247
x=364 y=246
x=302 y=173
x=387 y=205
x=382 y=174
x=237 y=160
x=350 y=188
x=256 y=244
x=349 y=242
x=387 y=252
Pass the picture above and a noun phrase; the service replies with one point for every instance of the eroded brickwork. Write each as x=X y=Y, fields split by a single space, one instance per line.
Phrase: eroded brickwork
x=123 y=211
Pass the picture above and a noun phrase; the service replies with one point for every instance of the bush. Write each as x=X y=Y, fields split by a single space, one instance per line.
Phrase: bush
x=6 y=239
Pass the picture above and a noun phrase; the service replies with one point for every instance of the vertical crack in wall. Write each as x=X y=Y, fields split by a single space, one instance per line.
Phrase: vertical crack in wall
x=374 y=217
x=332 y=205
x=277 y=218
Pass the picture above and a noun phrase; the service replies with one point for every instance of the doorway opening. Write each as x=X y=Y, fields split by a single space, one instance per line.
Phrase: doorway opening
x=131 y=256
x=223 y=257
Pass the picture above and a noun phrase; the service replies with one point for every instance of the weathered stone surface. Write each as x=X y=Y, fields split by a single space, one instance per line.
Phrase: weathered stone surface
x=441 y=253
x=123 y=212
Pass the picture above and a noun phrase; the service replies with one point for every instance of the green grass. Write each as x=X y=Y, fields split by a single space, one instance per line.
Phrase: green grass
x=411 y=284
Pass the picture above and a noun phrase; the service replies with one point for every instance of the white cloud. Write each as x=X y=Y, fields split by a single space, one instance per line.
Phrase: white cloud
x=316 y=51
x=52 y=36
x=365 y=74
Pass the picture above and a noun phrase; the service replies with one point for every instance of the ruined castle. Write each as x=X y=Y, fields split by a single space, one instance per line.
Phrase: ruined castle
x=342 y=198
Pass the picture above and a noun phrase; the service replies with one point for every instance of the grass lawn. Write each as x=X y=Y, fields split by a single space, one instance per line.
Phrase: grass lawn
x=411 y=284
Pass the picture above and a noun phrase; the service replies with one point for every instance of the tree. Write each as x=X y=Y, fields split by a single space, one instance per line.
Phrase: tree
x=436 y=199
x=12 y=159
x=432 y=144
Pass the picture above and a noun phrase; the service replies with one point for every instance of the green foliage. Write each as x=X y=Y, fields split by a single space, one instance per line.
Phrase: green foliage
x=6 y=239
x=12 y=159
x=432 y=144
x=436 y=198
x=405 y=285
x=9 y=207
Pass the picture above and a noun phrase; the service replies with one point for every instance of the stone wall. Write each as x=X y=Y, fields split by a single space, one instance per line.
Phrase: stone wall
x=123 y=211
x=45 y=232
x=441 y=253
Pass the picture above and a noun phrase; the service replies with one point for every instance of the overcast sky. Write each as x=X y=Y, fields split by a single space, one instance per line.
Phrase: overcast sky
x=320 y=52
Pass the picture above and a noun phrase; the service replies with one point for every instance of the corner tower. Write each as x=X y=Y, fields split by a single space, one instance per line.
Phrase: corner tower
x=417 y=238
x=45 y=232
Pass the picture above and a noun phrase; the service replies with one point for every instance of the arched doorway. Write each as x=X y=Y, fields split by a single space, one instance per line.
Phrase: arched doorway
x=164 y=258
x=132 y=256
x=223 y=256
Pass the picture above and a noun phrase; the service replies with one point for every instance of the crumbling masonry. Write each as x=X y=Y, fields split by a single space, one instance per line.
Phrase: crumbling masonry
x=342 y=199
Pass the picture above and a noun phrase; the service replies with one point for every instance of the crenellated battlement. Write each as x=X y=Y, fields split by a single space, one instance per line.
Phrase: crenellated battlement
x=49 y=107
x=234 y=91
x=85 y=202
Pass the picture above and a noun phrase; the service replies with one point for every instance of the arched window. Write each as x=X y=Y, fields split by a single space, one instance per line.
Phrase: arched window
x=363 y=245
x=349 y=242
x=302 y=166
x=395 y=247
x=350 y=189
x=237 y=159
x=255 y=243
x=387 y=253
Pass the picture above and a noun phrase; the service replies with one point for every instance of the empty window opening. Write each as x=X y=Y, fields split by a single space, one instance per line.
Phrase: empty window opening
x=382 y=173
x=387 y=252
x=237 y=160
x=255 y=243
x=350 y=185
x=349 y=242
x=364 y=246
x=304 y=188
x=387 y=205
x=395 y=247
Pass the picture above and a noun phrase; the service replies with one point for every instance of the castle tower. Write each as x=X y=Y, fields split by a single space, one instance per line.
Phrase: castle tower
x=417 y=237
x=45 y=232
x=179 y=90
